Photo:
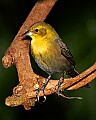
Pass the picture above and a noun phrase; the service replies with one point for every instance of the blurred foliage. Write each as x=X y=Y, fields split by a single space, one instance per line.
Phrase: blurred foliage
x=75 y=22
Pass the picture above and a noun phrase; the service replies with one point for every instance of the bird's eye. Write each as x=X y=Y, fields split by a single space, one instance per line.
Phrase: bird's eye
x=36 y=30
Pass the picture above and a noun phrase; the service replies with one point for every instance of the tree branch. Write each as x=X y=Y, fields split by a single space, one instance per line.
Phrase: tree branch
x=18 y=54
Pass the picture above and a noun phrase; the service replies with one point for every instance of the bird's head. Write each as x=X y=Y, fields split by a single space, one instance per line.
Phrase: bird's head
x=40 y=30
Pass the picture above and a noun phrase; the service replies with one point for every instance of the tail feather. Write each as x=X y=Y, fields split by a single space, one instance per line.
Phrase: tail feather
x=73 y=73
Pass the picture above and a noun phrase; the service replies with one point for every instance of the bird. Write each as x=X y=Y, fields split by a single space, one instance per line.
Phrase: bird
x=50 y=53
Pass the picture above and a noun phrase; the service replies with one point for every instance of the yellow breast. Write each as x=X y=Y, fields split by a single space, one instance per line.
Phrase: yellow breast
x=39 y=46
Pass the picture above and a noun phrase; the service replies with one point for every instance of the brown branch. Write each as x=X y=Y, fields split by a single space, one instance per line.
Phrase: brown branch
x=18 y=54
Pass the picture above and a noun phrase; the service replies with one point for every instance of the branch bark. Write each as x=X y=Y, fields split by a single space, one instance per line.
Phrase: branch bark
x=18 y=53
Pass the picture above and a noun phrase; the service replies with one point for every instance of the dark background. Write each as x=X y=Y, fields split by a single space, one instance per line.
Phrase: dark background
x=75 y=22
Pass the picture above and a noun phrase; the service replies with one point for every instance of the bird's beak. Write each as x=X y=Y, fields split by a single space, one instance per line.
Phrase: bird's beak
x=28 y=33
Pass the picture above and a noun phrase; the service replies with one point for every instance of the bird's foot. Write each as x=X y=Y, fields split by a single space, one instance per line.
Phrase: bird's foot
x=38 y=97
x=42 y=89
x=58 y=86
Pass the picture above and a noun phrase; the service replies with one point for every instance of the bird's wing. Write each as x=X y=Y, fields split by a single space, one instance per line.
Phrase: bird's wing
x=66 y=52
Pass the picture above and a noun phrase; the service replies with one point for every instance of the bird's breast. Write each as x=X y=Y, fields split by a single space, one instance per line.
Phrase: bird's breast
x=38 y=47
x=45 y=48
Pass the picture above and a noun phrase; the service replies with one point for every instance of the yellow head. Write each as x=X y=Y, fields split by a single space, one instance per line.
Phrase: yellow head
x=41 y=30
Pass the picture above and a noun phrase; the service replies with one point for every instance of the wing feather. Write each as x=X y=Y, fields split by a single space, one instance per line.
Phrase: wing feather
x=66 y=52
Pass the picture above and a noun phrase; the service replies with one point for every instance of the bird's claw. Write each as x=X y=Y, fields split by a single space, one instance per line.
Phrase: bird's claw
x=59 y=90
x=38 y=97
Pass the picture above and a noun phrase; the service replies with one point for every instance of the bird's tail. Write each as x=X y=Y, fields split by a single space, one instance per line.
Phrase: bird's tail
x=72 y=73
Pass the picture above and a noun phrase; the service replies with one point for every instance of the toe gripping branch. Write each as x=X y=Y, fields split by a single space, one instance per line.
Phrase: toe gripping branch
x=42 y=89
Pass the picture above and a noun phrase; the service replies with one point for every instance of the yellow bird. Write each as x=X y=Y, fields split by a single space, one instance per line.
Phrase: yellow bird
x=50 y=53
